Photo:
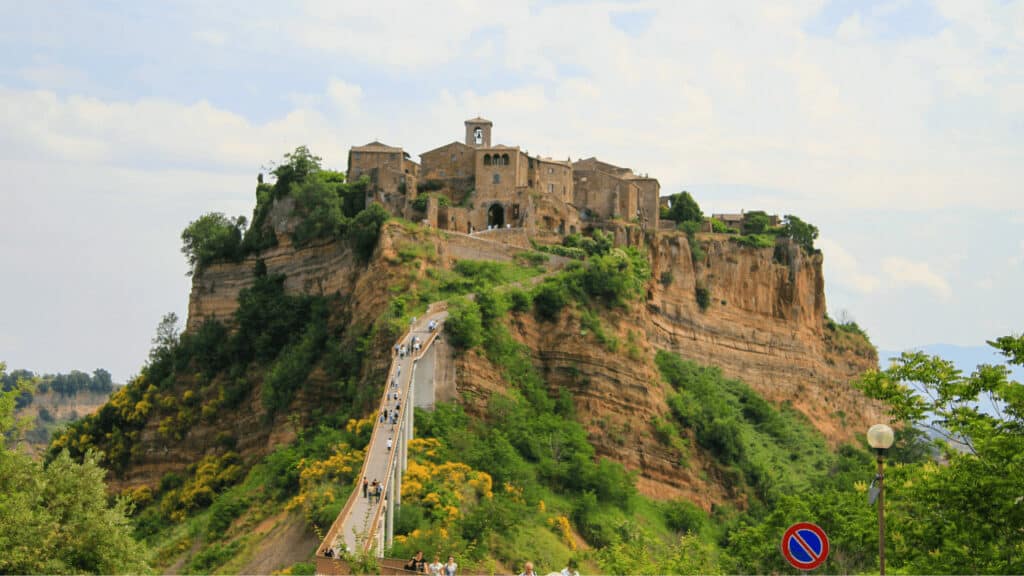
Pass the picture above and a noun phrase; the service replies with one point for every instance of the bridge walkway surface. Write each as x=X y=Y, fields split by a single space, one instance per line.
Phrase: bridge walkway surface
x=367 y=523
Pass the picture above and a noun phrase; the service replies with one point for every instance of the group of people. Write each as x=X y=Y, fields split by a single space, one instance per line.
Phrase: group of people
x=373 y=489
x=419 y=564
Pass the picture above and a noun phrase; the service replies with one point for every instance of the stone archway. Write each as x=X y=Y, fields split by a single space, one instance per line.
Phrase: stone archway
x=496 y=216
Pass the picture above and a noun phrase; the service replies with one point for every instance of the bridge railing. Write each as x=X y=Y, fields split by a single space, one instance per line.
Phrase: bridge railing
x=339 y=523
x=407 y=405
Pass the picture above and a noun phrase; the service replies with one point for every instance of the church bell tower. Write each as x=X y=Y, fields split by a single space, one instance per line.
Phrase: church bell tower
x=478 y=133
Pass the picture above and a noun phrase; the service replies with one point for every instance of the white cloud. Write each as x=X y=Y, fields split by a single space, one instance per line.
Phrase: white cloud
x=905 y=272
x=842 y=267
x=346 y=97
x=210 y=36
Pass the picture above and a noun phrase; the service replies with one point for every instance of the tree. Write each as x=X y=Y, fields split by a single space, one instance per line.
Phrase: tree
x=755 y=222
x=213 y=236
x=55 y=519
x=464 y=324
x=965 y=516
x=683 y=208
x=296 y=168
x=803 y=233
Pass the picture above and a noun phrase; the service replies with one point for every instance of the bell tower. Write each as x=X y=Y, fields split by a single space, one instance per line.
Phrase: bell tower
x=478 y=132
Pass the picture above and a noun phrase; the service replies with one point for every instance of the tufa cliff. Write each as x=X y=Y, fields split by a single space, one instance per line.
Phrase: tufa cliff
x=763 y=322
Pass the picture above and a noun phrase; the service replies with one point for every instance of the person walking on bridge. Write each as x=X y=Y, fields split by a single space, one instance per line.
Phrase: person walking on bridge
x=366 y=487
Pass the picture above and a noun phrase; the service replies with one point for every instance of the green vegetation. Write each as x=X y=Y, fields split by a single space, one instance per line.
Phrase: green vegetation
x=325 y=204
x=720 y=227
x=56 y=519
x=803 y=233
x=755 y=240
x=420 y=203
x=965 y=516
x=683 y=208
x=464 y=324
x=212 y=237
x=756 y=222
x=760 y=450
x=703 y=296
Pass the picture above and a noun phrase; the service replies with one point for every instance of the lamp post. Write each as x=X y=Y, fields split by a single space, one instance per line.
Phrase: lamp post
x=880 y=438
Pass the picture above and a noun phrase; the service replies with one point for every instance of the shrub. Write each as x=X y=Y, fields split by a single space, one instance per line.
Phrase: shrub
x=721 y=228
x=684 y=516
x=755 y=222
x=493 y=305
x=420 y=203
x=703 y=298
x=754 y=240
x=364 y=230
x=683 y=208
x=520 y=300
x=465 y=324
x=549 y=298
x=212 y=237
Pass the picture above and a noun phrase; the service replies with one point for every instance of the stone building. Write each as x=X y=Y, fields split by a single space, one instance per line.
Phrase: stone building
x=493 y=186
x=604 y=191
x=393 y=176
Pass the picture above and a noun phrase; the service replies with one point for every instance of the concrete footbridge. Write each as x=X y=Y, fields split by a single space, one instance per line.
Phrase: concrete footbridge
x=366 y=524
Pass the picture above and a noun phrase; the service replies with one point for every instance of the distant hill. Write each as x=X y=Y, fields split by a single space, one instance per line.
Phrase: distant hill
x=57 y=400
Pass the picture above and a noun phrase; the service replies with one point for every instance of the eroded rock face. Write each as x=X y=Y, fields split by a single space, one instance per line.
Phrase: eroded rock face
x=763 y=325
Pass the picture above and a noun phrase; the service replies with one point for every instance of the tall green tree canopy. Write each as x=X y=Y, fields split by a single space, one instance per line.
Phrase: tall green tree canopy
x=683 y=208
x=966 y=516
x=213 y=236
x=55 y=519
x=803 y=233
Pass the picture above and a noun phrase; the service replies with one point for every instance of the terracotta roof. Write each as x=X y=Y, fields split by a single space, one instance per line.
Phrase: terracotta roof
x=375 y=146
x=445 y=146
x=479 y=120
x=553 y=161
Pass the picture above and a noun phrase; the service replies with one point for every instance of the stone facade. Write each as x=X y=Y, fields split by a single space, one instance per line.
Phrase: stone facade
x=490 y=186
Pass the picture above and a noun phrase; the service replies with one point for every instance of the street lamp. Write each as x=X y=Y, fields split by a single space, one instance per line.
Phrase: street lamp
x=880 y=438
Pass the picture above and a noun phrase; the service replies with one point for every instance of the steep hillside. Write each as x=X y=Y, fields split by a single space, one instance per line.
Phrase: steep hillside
x=253 y=410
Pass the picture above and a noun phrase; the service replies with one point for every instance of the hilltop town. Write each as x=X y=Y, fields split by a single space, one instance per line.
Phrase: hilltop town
x=475 y=185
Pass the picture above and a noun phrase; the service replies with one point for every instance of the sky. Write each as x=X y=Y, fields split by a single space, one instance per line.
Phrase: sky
x=896 y=127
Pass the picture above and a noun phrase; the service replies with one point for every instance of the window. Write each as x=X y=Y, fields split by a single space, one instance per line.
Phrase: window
x=497 y=179
x=487 y=159
x=478 y=136
x=504 y=159
x=515 y=210
x=551 y=188
x=355 y=155
x=453 y=157
x=551 y=170
x=440 y=173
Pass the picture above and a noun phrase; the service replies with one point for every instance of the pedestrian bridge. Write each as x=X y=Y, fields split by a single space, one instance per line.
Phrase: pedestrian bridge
x=366 y=524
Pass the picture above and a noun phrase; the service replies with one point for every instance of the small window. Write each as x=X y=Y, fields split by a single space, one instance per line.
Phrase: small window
x=515 y=210
x=440 y=173
x=497 y=179
x=551 y=188
x=355 y=155
x=453 y=157
x=504 y=159
x=551 y=170
x=487 y=159
x=478 y=136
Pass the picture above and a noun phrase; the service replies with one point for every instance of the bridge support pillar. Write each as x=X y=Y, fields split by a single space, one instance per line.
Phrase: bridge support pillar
x=389 y=518
x=397 y=480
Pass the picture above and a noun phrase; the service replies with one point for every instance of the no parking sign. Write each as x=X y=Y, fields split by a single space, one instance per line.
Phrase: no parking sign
x=805 y=546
